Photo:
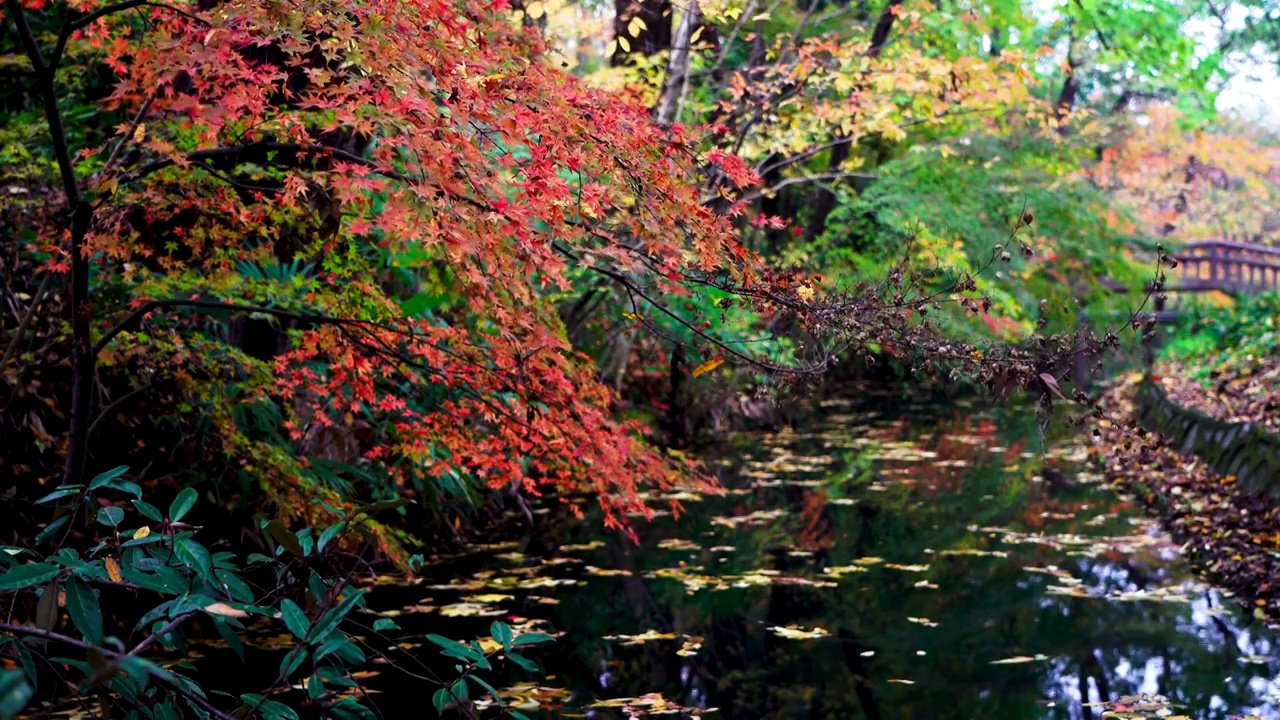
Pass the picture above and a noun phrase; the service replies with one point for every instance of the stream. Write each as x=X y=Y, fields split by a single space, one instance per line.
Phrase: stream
x=894 y=559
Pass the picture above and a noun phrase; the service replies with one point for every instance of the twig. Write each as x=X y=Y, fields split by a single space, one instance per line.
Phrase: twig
x=26 y=320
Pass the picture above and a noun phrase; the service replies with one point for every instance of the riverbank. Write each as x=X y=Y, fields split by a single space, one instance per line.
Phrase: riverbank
x=1231 y=538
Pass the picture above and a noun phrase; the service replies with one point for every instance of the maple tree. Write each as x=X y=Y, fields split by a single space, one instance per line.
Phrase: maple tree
x=1193 y=182
x=329 y=243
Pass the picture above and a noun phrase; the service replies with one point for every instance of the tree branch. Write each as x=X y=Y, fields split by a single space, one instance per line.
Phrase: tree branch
x=29 y=631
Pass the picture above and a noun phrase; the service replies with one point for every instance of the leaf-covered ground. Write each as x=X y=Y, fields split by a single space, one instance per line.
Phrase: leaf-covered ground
x=1231 y=391
x=1230 y=537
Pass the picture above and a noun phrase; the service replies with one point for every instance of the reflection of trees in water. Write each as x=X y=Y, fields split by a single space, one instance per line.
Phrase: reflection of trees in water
x=987 y=608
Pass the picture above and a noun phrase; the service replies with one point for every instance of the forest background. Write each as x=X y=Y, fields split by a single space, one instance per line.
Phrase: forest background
x=297 y=289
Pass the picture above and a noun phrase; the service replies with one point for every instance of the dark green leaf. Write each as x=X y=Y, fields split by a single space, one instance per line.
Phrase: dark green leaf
x=51 y=530
x=111 y=516
x=47 y=607
x=62 y=492
x=523 y=662
x=182 y=504
x=148 y=511
x=230 y=635
x=502 y=633
x=459 y=690
x=15 y=693
x=102 y=478
x=82 y=605
x=291 y=662
x=385 y=624
x=315 y=687
x=295 y=619
x=285 y=537
x=487 y=687
x=114 y=481
x=441 y=700
x=383 y=505
x=531 y=638
x=27 y=575
x=349 y=708
x=328 y=535
x=166 y=711
x=195 y=555
x=330 y=621
x=270 y=709
x=453 y=648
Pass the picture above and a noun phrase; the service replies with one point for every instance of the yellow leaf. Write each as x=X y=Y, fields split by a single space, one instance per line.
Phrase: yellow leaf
x=113 y=569
x=140 y=133
x=635 y=27
x=142 y=532
x=611 y=48
x=624 y=44
x=535 y=10
x=696 y=34
x=707 y=367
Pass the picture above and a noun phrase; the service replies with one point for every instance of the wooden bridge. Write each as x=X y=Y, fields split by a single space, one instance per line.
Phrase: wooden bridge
x=1225 y=266
x=1233 y=268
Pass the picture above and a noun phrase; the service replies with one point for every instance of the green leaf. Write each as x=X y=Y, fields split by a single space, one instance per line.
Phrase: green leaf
x=86 y=614
x=270 y=709
x=315 y=687
x=502 y=633
x=453 y=648
x=15 y=693
x=196 y=555
x=114 y=481
x=61 y=492
x=383 y=505
x=166 y=711
x=148 y=511
x=111 y=516
x=47 y=607
x=102 y=479
x=385 y=624
x=230 y=635
x=295 y=619
x=531 y=638
x=330 y=621
x=348 y=708
x=182 y=504
x=285 y=537
x=51 y=530
x=328 y=535
x=489 y=688
x=291 y=662
x=523 y=662
x=441 y=700
x=459 y=690
x=24 y=576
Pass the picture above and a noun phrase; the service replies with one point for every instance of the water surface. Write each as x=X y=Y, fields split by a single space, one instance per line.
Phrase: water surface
x=905 y=561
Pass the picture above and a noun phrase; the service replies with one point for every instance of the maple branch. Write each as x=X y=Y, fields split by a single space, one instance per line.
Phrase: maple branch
x=263 y=149
x=70 y=28
x=128 y=133
x=633 y=288
x=133 y=319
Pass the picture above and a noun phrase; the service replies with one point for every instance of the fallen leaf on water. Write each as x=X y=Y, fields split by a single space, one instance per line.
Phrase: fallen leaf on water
x=793 y=632
x=1018 y=659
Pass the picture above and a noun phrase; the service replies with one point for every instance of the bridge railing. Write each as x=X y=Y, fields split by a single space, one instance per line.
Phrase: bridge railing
x=1226 y=266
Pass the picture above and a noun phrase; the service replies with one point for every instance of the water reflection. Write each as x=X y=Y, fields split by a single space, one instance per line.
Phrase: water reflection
x=878 y=565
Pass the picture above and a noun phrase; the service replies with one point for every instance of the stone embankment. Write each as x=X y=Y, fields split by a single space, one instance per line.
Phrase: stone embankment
x=1214 y=482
